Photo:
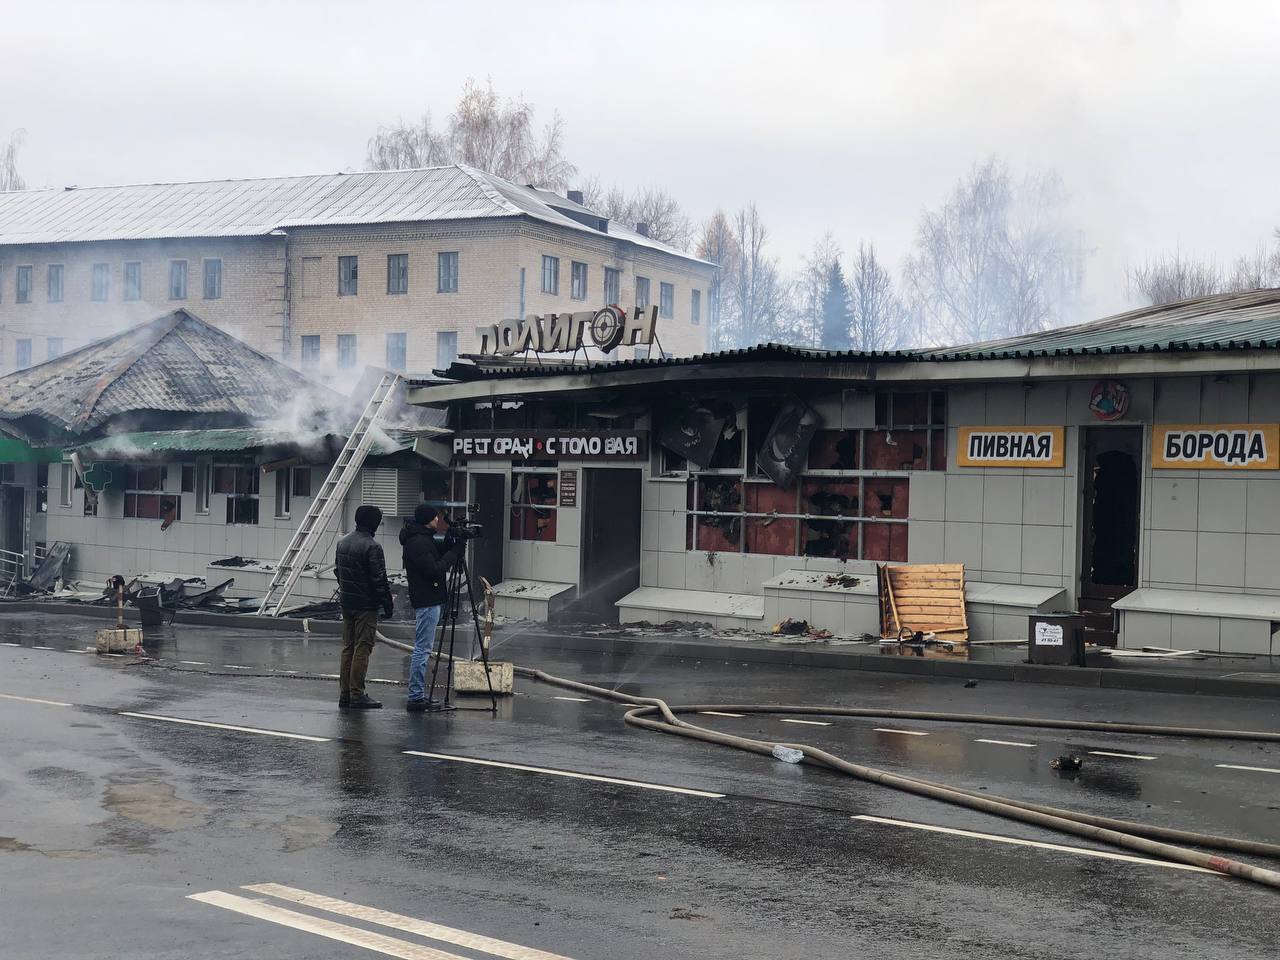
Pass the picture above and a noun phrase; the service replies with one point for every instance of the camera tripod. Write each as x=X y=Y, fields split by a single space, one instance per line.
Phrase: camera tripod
x=459 y=578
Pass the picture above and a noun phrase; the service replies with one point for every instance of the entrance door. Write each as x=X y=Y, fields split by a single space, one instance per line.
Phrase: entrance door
x=1111 y=479
x=490 y=496
x=610 y=540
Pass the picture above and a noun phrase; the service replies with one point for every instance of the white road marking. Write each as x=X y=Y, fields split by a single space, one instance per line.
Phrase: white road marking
x=235 y=666
x=720 y=713
x=47 y=703
x=194 y=663
x=566 y=773
x=1123 y=756
x=909 y=733
x=422 y=928
x=1238 y=766
x=321 y=927
x=328 y=676
x=111 y=654
x=42 y=648
x=9 y=644
x=574 y=699
x=811 y=723
x=1006 y=743
x=226 y=726
x=1016 y=841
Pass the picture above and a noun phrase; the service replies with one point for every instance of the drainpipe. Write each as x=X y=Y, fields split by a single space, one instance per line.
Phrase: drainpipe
x=520 y=312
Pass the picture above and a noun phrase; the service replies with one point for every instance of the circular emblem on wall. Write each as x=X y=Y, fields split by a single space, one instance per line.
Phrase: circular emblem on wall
x=607 y=327
x=1109 y=400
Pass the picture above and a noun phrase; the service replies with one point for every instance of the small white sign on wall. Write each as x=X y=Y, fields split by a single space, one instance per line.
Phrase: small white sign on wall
x=1048 y=635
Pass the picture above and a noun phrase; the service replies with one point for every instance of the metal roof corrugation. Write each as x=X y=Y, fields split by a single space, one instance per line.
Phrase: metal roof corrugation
x=217 y=440
x=251 y=208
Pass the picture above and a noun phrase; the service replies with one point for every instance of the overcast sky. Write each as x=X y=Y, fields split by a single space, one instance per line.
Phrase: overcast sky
x=1160 y=116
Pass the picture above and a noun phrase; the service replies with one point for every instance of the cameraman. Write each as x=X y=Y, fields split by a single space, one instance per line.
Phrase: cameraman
x=426 y=565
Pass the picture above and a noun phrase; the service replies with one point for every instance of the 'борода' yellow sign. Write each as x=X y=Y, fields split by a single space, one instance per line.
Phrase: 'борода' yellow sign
x=1216 y=446
x=1009 y=447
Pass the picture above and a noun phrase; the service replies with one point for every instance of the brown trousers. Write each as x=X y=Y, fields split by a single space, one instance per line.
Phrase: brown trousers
x=358 y=628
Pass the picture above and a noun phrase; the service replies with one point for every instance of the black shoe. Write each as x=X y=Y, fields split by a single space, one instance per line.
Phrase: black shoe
x=344 y=701
x=416 y=706
x=364 y=702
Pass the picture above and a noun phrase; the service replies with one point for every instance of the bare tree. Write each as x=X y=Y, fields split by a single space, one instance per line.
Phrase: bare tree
x=10 y=179
x=485 y=131
x=878 y=319
x=717 y=244
x=757 y=298
x=1175 y=277
x=1259 y=270
x=996 y=259
x=653 y=206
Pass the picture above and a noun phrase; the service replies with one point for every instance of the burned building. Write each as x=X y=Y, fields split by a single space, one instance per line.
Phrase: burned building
x=1128 y=467
x=174 y=446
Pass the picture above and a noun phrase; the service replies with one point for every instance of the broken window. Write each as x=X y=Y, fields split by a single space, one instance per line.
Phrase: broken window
x=771 y=522
x=240 y=485
x=144 y=496
x=718 y=503
x=534 y=503
x=301 y=481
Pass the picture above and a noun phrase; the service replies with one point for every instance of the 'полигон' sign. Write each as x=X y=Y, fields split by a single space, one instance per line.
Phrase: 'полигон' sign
x=1216 y=446
x=552 y=445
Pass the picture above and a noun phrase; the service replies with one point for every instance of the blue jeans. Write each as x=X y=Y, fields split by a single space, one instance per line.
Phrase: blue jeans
x=424 y=638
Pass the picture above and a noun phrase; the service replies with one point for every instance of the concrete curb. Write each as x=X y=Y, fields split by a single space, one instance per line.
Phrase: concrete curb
x=1112 y=678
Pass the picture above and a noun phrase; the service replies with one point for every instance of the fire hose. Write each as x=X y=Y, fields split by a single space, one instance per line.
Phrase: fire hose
x=652 y=713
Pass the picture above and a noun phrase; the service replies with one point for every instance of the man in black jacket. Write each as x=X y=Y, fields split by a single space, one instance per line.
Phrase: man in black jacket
x=426 y=565
x=361 y=568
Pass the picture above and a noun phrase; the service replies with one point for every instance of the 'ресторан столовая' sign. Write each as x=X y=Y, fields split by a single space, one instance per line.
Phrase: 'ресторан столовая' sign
x=568 y=444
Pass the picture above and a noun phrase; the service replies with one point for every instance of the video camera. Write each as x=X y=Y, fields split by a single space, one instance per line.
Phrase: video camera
x=465 y=527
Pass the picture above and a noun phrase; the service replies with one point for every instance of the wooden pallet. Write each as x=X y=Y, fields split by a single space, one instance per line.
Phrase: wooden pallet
x=923 y=598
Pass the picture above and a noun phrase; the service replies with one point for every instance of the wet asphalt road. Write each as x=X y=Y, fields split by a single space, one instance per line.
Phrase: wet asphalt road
x=109 y=823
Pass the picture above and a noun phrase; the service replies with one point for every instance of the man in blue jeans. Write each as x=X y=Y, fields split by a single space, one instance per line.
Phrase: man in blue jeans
x=426 y=565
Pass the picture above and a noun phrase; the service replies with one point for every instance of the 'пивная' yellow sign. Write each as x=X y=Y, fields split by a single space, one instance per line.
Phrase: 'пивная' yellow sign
x=1009 y=447
x=1216 y=446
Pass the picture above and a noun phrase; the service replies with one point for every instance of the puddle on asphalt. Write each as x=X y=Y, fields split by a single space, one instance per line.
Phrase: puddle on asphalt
x=303 y=832
x=154 y=804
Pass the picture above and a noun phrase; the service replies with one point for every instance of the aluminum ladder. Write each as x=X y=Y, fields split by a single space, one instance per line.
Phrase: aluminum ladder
x=343 y=474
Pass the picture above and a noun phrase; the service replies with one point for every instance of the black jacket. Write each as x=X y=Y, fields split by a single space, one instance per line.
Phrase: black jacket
x=361 y=568
x=425 y=564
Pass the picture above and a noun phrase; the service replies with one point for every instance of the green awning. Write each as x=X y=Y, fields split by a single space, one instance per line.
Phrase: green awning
x=134 y=446
x=13 y=450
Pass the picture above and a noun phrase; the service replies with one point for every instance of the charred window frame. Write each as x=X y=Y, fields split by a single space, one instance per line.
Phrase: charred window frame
x=301 y=481
x=284 y=493
x=445 y=488
x=66 y=484
x=42 y=488
x=144 y=496
x=240 y=484
x=851 y=499
x=203 y=485
x=534 y=503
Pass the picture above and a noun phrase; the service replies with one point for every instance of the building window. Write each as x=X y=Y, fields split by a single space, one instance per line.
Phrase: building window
x=101 y=282
x=348 y=276
x=534 y=504
x=55 y=283
x=23 y=353
x=133 y=280
x=284 y=493
x=213 y=279
x=346 y=350
x=23 y=285
x=177 y=279
x=642 y=293
x=397 y=351
x=612 y=285
x=66 y=484
x=188 y=478
x=447 y=272
x=203 y=483
x=144 y=496
x=310 y=277
x=446 y=348
x=310 y=352
x=302 y=481
x=578 y=286
x=695 y=307
x=666 y=300
x=240 y=485
x=397 y=273
x=53 y=347
x=551 y=275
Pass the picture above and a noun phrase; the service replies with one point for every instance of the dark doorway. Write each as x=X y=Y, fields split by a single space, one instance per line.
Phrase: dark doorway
x=490 y=498
x=1111 y=479
x=610 y=540
x=14 y=518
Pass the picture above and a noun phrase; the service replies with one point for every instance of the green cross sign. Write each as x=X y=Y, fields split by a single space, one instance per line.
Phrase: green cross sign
x=99 y=476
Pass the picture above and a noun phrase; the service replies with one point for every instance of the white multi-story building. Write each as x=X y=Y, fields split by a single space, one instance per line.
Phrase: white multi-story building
x=393 y=268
